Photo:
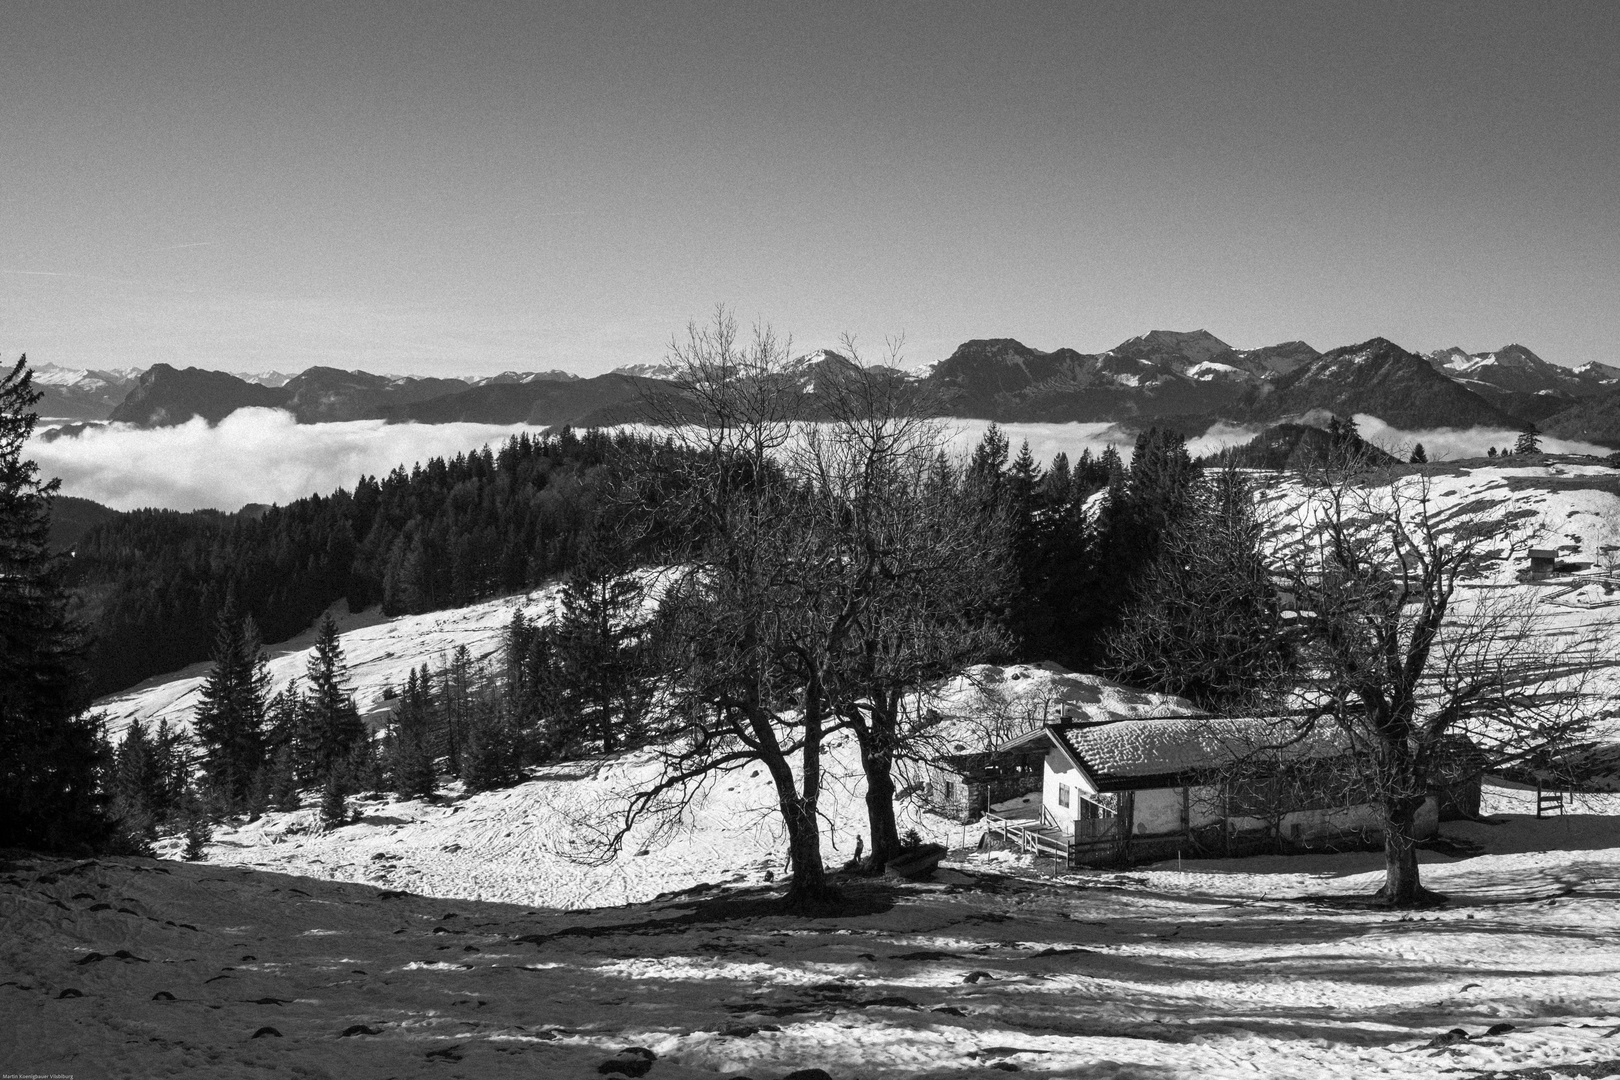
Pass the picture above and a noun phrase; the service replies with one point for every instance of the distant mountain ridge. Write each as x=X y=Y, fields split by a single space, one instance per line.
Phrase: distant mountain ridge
x=82 y=393
x=1380 y=378
x=1179 y=377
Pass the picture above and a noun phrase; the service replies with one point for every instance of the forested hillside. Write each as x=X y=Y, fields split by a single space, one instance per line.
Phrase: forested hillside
x=441 y=534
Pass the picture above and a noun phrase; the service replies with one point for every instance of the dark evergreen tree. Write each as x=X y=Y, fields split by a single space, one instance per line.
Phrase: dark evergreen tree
x=331 y=719
x=537 y=691
x=364 y=770
x=1113 y=468
x=1529 y=441
x=1204 y=620
x=281 y=780
x=50 y=791
x=1418 y=455
x=456 y=680
x=196 y=824
x=230 y=718
x=1057 y=484
x=493 y=756
x=1123 y=539
x=171 y=755
x=987 y=469
x=410 y=755
x=596 y=647
x=137 y=791
x=334 y=802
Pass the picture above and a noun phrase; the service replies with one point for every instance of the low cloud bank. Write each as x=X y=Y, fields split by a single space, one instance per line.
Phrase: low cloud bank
x=252 y=456
x=1442 y=444
x=1439 y=444
x=263 y=456
x=1047 y=440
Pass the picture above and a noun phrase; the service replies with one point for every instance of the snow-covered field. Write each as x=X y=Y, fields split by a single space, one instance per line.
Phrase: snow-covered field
x=380 y=653
x=1243 y=968
x=488 y=935
x=540 y=842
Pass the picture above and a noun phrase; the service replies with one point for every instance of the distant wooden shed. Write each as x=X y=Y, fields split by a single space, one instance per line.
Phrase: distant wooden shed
x=964 y=786
x=1543 y=560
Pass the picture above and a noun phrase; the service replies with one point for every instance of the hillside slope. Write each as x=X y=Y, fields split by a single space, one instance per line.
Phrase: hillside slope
x=1593 y=419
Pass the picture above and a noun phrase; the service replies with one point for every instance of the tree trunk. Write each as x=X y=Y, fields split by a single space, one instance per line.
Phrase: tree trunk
x=880 y=805
x=1402 y=888
x=877 y=739
x=809 y=887
x=880 y=813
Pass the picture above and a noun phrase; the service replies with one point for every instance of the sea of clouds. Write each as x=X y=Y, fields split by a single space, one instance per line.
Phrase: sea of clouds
x=252 y=456
x=263 y=456
x=1450 y=444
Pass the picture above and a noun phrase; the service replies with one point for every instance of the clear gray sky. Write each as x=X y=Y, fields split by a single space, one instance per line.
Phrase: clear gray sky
x=464 y=188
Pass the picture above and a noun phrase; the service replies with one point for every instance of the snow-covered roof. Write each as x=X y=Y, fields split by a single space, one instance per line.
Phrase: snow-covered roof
x=1122 y=755
x=987 y=703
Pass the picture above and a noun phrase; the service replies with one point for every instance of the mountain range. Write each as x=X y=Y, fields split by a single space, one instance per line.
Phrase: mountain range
x=1179 y=377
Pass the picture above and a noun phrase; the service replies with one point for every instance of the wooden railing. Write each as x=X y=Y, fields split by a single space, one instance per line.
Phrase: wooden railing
x=1029 y=834
x=1548 y=802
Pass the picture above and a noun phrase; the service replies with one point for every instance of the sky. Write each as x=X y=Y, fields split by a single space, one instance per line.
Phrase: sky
x=468 y=188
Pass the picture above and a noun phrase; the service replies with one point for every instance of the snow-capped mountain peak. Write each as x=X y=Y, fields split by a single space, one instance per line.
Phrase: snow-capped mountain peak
x=661 y=370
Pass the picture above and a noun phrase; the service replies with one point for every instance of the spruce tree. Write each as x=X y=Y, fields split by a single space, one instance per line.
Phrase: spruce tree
x=171 y=759
x=410 y=754
x=229 y=721
x=332 y=722
x=50 y=795
x=334 y=802
x=494 y=752
x=1529 y=441
x=1204 y=621
x=136 y=791
x=1418 y=455
x=595 y=642
x=455 y=703
x=535 y=687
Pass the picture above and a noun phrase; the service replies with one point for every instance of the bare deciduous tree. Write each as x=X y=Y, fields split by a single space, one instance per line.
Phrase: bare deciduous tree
x=747 y=622
x=910 y=556
x=830 y=568
x=1395 y=655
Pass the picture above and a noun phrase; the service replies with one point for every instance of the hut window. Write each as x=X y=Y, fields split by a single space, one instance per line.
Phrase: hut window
x=950 y=789
x=1063 y=794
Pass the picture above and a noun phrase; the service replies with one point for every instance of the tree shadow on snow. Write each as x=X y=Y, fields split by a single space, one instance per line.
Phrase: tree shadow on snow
x=853 y=899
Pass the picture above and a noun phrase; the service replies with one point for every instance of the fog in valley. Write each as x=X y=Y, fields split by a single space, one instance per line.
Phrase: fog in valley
x=262 y=456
